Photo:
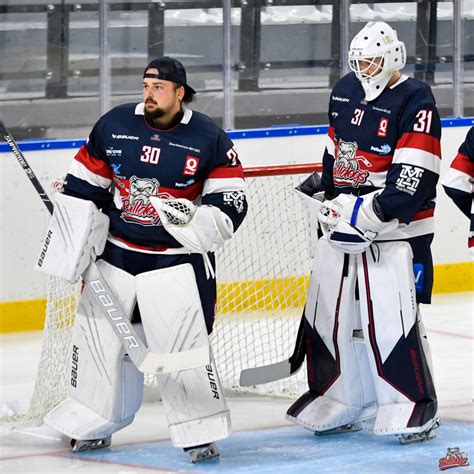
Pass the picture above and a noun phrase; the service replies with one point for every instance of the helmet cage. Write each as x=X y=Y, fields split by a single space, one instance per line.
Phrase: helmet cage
x=361 y=65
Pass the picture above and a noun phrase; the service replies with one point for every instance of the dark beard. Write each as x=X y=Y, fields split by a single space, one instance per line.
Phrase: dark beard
x=157 y=113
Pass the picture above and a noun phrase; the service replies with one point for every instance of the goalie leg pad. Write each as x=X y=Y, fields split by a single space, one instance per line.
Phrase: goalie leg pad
x=76 y=234
x=105 y=387
x=398 y=351
x=173 y=321
x=338 y=376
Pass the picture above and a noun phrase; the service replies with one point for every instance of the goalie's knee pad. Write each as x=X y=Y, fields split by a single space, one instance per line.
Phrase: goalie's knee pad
x=173 y=321
x=398 y=351
x=341 y=388
x=105 y=388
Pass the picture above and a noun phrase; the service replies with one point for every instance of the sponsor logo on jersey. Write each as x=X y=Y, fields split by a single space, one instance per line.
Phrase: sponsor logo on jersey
x=454 y=458
x=116 y=167
x=383 y=127
x=409 y=179
x=190 y=165
x=190 y=148
x=124 y=137
x=186 y=184
x=212 y=381
x=155 y=138
x=384 y=149
x=74 y=365
x=347 y=170
x=112 y=152
x=136 y=206
x=340 y=99
x=385 y=111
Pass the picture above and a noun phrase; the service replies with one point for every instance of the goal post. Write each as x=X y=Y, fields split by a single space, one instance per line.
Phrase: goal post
x=262 y=277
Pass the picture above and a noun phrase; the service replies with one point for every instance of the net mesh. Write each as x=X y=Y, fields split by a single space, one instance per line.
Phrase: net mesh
x=262 y=275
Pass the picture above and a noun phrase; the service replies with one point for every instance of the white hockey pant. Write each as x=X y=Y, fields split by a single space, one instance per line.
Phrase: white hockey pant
x=106 y=388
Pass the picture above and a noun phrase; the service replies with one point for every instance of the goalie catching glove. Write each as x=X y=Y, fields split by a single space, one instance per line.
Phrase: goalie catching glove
x=351 y=223
x=76 y=235
x=199 y=229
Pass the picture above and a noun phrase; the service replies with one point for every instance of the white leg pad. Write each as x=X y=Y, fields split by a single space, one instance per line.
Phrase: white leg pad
x=347 y=396
x=106 y=388
x=173 y=321
x=397 y=346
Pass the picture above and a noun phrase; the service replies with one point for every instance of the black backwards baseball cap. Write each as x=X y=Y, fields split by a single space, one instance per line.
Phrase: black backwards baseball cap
x=169 y=69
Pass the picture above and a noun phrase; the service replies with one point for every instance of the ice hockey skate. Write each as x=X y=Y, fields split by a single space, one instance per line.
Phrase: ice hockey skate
x=427 y=435
x=79 y=445
x=203 y=452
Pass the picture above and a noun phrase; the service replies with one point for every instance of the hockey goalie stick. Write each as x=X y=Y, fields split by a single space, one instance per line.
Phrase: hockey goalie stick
x=98 y=289
x=279 y=370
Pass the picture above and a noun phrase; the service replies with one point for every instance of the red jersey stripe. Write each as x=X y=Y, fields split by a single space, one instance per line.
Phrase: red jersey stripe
x=420 y=141
x=464 y=164
x=94 y=165
x=226 y=171
x=331 y=132
x=191 y=192
x=423 y=214
x=141 y=247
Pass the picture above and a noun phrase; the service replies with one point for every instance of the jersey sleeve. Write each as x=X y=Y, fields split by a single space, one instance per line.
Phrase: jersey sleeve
x=410 y=187
x=327 y=179
x=90 y=175
x=458 y=182
x=224 y=186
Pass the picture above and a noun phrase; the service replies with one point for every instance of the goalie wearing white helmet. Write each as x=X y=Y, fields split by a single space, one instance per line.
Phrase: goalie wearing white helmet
x=368 y=356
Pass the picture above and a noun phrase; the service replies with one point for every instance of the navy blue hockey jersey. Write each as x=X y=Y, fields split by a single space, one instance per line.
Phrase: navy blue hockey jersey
x=125 y=161
x=391 y=143
x=458 y=182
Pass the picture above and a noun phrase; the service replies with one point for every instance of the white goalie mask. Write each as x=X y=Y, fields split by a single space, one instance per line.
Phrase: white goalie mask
x=376 y=44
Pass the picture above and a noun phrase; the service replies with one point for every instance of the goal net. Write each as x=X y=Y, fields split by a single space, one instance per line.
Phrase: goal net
x=262 y=275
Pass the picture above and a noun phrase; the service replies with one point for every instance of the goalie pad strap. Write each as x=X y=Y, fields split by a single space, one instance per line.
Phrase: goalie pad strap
x=76 y=235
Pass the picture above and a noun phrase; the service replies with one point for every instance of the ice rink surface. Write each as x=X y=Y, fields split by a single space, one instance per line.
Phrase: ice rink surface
x=262 y=441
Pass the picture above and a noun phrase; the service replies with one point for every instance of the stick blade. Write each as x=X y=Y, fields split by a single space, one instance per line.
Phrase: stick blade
x=266 y=373
x=176 y=361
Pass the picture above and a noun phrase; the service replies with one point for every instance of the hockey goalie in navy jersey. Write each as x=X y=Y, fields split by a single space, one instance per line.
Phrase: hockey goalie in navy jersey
x=458 y=183
x=154 y=192
x=367 y=353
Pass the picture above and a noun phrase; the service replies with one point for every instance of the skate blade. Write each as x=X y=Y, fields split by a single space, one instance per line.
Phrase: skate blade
x=80 y=445
x=350 y=428
x=427 y=435
x=204 y=453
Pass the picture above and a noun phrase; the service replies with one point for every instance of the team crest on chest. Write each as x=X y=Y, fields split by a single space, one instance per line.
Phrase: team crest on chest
x=136 y=206
x=347 y=170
